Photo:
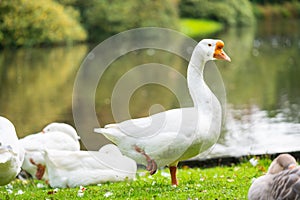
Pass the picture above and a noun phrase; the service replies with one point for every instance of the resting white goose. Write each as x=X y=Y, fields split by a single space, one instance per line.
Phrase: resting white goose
x=11 y=153
x=168 y=137
x=59 y=136
x=282 y=181
x=75 y=168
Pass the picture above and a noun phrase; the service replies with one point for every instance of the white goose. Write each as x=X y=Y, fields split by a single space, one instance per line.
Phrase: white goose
x=282 y=181
x=76 y=168
x=11 y=153
x=166 y=138
x=58 y=136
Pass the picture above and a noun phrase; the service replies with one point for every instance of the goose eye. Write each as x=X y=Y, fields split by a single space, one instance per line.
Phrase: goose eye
x=209 y=45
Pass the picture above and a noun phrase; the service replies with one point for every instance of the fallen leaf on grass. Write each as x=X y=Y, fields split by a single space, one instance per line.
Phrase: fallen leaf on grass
x=53 y=191
x=230 y=180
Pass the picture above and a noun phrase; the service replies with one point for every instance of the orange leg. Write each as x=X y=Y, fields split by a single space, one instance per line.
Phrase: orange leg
x=151 y=164
x=173 y=170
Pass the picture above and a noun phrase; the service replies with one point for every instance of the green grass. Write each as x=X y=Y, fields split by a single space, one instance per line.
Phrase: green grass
x=199 y=27
x=211 y=183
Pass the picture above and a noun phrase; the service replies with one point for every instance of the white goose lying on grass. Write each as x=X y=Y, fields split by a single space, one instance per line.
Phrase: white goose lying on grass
x=11 y=153
x=282 y=181
x=76 y=168
x=168 y=137
x=56 y=136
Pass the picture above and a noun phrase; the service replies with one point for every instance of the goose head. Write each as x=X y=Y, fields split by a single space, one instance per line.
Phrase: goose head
x=282 y=162
x=62 y=127
x=211 y=49
x=5 y=148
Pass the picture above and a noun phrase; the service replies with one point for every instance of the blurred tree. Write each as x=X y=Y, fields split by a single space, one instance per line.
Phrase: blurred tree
x=103 y=18
x=271 y=10
x=28 y=23
x=272 y=1
x=231 y=12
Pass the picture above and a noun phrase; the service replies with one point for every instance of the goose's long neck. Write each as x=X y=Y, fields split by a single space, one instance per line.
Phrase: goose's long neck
x=199 y=91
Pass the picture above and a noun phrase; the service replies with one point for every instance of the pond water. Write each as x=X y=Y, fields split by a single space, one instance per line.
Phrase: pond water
x=262 y=86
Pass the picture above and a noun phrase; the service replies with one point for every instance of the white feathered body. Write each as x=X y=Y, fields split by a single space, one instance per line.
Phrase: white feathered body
x=178 y=134
x=170 y=136
x=35 y=144
x=75 y=168
x=11 y=154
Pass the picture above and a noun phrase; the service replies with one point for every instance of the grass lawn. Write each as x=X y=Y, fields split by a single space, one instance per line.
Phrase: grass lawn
x=199 y=27
x=194 y=183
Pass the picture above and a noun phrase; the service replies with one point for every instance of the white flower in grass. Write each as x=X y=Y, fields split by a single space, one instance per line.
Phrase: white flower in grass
x=9 y=191
x=81 y=188
x=55 y=190
x=165 y=174
x=142 y=173
x=80 y=192
x=8 y=186
x=253 y=162
x=108 y=194
x=20 y=192
x=40 y=185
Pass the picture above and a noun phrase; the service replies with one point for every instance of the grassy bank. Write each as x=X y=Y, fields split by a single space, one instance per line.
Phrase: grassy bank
x=199 y=27
x=211 y=183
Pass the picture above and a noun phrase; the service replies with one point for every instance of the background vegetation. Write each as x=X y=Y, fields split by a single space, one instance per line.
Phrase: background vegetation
x=103 y=18
x=230 y=12
x=28 y=23
x=278 y=10
x=32 y=23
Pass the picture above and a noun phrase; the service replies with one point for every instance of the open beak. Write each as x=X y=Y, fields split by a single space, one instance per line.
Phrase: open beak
x=219 y=53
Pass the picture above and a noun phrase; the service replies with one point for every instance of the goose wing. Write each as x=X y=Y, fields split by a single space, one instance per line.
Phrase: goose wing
x=286 y=184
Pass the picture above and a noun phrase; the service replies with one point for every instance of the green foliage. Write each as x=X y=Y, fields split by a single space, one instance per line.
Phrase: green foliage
x=106 y=17
x=28 y=23
x=277 y=11
x=212 y=183
x=230 y=12
x=199 y=27
x=271 y=1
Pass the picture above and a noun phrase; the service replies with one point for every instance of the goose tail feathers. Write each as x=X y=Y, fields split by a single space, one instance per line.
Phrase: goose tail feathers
x=111 y=132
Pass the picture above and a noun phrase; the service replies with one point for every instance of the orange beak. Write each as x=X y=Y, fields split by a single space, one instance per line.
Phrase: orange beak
x=292 y=166
x=219 y=53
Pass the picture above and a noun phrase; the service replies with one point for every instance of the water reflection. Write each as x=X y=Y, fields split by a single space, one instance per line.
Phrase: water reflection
x=146 y=95
x=36 y=85
x=262 y=84
x=252 y=131
x=263 y=93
